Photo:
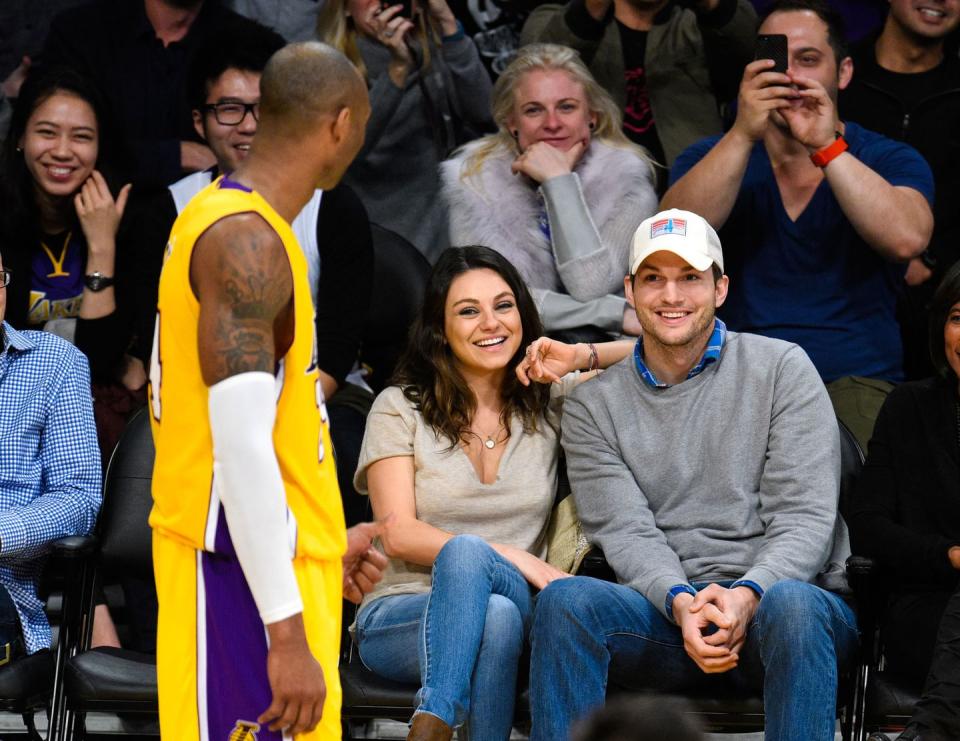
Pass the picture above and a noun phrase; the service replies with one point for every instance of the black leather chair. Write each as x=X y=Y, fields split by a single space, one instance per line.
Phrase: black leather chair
x=109 y=679
x=399 y=280
x=367 y=695
x=27 y=684
x=25 y=687
x=882 y=701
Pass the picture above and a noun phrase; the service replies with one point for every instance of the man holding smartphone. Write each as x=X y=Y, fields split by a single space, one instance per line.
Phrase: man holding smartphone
x=822 y=215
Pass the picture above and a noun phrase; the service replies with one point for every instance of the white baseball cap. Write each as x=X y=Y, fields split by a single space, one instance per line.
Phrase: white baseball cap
x=683 y=233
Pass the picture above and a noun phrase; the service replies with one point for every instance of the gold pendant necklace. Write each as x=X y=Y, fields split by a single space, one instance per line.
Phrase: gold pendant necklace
x=489 y=441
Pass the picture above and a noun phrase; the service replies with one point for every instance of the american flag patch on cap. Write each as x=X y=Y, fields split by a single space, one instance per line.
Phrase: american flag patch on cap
x=668 y=226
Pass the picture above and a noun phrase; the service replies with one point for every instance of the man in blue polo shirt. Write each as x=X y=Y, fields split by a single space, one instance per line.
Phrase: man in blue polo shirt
x=49 y=470
x=819 y=216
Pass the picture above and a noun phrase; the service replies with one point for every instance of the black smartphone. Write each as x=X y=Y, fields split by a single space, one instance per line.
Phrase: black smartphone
x=773 y=46
x=406 y=11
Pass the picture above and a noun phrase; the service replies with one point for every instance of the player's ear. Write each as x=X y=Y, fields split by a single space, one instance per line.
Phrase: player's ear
x=341 y=124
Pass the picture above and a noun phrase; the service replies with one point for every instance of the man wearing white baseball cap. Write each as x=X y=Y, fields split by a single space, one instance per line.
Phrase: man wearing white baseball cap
x=706 y=467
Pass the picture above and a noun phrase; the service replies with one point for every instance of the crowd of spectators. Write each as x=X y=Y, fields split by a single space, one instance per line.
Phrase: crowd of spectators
x=548 y=136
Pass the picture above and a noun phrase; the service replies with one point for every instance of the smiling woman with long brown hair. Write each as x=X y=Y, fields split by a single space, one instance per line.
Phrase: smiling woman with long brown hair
x=60 y=217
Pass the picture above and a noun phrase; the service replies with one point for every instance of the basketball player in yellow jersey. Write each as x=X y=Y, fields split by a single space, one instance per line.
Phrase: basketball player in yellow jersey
x=248 y=525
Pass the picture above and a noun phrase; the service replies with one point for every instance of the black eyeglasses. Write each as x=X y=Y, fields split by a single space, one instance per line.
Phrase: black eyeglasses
x=4 y=278
x=232 y=114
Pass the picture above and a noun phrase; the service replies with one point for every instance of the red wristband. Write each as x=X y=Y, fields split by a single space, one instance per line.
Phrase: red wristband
x=825 y=156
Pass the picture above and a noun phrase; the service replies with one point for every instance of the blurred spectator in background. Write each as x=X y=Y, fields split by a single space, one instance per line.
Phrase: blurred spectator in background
x=23 y=27
x=906 y=514
x=559 y=191
x=668 y=66
x=639 y=718
x=821 y=215
x=905 y=87
x=58 y=229
x=137 y=53
x=861 y=18
x=224 y=90
x=49 y=467
x=295 y=20
x=429 y=92
x=494 y=26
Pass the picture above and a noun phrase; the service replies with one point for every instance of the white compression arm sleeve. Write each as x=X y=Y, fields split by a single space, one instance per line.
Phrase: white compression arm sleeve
x=248 y=483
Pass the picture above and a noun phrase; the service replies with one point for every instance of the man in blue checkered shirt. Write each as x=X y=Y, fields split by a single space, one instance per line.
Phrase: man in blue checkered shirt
x=49 y=470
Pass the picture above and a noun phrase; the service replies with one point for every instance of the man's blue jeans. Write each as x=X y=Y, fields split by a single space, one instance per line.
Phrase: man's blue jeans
x=462 y=641
x=586 y=630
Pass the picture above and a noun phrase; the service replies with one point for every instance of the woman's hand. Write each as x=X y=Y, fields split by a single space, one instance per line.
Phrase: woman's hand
x=537 y=572
x=391 y=29
x=99 y=214
x=440 y=12
x=547 y=361
x=542 y=161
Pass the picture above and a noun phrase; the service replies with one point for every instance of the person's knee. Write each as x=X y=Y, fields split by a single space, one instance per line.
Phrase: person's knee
x=563 y=602
x=502 y=628
x=464 y=551
x=794 y=607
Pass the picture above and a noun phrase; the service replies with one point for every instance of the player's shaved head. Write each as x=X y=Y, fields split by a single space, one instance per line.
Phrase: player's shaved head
x=305 y=82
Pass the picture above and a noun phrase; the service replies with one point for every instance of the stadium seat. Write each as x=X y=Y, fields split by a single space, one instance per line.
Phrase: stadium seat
x=110 y=679
x=399 y=280
x=31 y=683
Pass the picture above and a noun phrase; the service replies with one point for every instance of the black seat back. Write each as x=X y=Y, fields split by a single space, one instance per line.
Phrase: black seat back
x=851 y=462
x=125 y=538
x=399 y=280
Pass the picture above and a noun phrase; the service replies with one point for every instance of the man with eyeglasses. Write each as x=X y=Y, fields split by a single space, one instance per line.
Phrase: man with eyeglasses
x=49 y=469
x=333 y=231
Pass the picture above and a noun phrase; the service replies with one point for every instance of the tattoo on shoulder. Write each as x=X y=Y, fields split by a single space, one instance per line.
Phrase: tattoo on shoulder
x=254 y=289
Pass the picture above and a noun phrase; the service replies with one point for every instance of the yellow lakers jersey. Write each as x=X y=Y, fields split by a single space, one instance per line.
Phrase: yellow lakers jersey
x=185 y=504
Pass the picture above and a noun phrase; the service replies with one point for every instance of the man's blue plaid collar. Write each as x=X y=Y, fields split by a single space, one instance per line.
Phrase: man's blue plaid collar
x=16 y=340
x=710 y=355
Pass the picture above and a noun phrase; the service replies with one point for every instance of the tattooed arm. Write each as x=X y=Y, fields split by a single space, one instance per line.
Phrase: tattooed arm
x=241 y=277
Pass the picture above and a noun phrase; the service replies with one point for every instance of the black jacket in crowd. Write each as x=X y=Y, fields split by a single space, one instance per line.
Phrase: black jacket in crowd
x=906 y=509
x=931 y=126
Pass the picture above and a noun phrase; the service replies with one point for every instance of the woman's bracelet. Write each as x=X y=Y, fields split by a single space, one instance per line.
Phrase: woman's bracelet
x=594 y=358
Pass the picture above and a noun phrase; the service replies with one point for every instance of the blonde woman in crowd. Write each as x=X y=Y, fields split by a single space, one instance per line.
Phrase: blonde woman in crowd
x=558 y=190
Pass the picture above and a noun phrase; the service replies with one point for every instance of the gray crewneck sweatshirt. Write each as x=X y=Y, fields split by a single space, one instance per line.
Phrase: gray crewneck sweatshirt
x=731 y=474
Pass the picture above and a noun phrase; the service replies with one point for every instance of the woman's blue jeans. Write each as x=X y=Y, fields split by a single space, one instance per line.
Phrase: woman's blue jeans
x=462 y=641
